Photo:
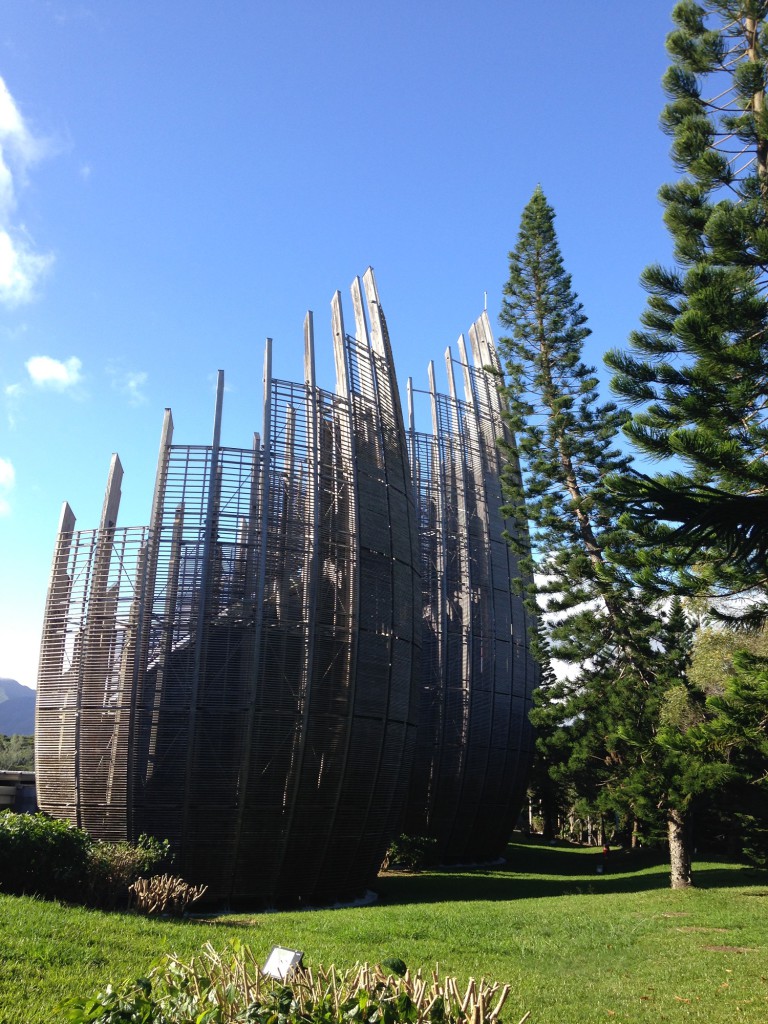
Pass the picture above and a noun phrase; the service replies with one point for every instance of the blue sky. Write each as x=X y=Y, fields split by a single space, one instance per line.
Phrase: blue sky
x=179 y=180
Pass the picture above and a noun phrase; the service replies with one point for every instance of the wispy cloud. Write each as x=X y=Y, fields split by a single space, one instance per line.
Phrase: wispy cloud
x=20 y=265
x=20 y=269
x=7 y=483
x=46 y=372
x=128 y=382
x=133 y=386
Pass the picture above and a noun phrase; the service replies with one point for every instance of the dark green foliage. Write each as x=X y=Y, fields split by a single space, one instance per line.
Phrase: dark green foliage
x=731 y=743
x=585 y=555
x=598 y=728
x=128 y=1003
x=697 y=376
x=17 y=753
x=229 y=988
x=697 y=372
x=411 y=853
x=395 y=965
x=565 y=437
x=52 y=858
x=114 y=867
x=737 y=524
x=43 y=856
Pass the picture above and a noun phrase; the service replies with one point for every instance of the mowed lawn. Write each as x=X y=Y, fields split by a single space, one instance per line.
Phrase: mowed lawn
x=574 y=946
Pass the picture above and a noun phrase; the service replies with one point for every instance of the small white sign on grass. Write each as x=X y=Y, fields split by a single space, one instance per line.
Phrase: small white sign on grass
x=281 y=962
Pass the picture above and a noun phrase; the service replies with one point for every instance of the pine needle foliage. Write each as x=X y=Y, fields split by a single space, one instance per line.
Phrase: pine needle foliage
x=598 y=728
x=697 y=371
x=566 y=443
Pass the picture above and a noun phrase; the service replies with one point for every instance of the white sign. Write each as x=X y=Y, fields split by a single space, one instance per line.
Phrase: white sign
x=281 y=962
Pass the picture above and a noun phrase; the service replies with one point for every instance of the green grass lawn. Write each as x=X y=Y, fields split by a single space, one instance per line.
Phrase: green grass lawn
x=576 y=947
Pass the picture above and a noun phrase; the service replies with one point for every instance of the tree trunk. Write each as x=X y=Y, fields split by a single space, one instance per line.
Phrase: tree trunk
x=679 y=849
x=548 y=828
x=549 y=814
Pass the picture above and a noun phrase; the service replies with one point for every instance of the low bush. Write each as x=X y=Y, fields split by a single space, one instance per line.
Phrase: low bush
x=115 y=867
x=48 y=857
x=164 y=894
x=230 y=988
x=43 y=856
x=410 y=853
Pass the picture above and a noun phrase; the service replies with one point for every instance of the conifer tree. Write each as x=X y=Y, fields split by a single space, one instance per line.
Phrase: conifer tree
x=599 y=731
x=565 y=438
x=698 y=370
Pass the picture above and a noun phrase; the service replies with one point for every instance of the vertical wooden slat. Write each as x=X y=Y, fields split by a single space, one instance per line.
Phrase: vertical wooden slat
x=204 y=601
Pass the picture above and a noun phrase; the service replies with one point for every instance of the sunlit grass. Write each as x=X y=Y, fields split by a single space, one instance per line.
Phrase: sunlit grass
x=575 y=946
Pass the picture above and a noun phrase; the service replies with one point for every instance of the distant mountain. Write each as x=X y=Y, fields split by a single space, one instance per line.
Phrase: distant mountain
x=17 y=708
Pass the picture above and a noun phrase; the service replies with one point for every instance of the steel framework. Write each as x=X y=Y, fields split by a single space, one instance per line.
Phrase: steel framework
x=474 y=739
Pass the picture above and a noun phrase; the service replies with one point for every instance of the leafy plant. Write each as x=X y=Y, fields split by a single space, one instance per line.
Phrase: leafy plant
x=52 y=858
x=410 y=853
x=114 y=867
x=229 y=987
x=134 y=1002
x=43 y=855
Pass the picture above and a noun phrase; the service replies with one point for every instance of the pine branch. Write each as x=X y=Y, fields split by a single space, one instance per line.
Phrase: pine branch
x=710 y=518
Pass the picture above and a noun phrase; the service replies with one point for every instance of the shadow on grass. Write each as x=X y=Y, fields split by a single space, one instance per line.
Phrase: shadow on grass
x=533 y=870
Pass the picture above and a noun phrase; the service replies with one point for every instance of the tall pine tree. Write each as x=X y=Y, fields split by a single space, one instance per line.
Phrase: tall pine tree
x=698 y=370
x=566 y=439
x=594 y=582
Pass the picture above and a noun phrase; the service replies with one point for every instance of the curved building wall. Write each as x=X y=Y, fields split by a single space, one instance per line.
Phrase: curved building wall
x=241 y=677
x=474 y=741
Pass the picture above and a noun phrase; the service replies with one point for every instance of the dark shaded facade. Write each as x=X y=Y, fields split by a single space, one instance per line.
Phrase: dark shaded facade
x=474 y=740
x=244 y=676
x=241 y=677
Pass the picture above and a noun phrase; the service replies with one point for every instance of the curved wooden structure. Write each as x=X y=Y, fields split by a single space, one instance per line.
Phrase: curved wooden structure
x=474 y=740
x=241 y=677
x=244 y=675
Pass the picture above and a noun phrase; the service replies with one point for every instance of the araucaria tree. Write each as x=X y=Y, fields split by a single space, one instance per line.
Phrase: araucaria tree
x=602 y=729
x=698 y=370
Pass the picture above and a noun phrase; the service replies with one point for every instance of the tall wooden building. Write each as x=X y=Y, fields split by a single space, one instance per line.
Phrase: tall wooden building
x=243 y=676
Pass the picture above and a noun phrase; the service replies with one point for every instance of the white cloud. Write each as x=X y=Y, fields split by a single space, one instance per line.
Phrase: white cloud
x=47 y=372
x=134 y=387
x=7 y=474
x=13 y=395
x=20 y=265
x=20 y=269
x=7 y=482
x=128 y=382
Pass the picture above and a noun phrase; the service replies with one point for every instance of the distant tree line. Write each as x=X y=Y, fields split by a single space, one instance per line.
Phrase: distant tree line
x=17 y=753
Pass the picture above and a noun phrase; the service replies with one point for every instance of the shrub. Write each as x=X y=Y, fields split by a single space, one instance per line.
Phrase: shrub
x=165 y=894
x=48 y=857
x=230 y=987
x=43 y=856
x=410 y=853
x=114 y=867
